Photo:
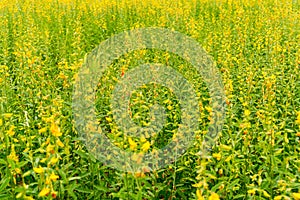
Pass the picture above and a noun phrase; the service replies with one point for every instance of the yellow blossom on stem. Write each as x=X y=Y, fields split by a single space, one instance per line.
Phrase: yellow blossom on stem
x=214 y=196
x=132 y=144
x=146 y=146
x=54 y=177
x=53 y=160
x=44 y=192
x=50 y=148
x=217 y=156
x=7 y=115
x=296 y=196
x=251 y=192
x=55 y=130
x=42 y=130
x=59 y=143
x=247 y=112
x=13 y=155
x=199 y=195
x=38 y=170
x=11 y=131
x=278 y=197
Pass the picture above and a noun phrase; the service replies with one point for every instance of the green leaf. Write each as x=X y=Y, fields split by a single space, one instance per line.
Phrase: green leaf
x=4 y=183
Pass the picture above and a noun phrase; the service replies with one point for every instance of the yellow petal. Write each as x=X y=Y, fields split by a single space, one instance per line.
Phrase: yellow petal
x=217 y=156
x=59 y=143
x=43 y=130
x=55 y=130
x=146 y=146
x=38 y=170
x=296 y=196
x=44 y=192
x=199 y=195
x=132 y=144
x=214 y=196
x=54 y=177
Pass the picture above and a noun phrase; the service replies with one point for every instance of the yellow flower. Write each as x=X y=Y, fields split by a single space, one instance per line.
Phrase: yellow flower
x=217 y=156
x=298 y=134
x=47 y=181
x=225 y=147
x=228 y=158
x=296 y=196
x=247 y=113
x=108 y=119
x=43 y=130
x=44 y=192
x=53 y=161
x=55 y=130
x=59 y=143
x=132 y=144
x=208 y=108
x=54 y=177
x=11 y=131
x=47 y=141
x=139 y=175
x=146 y=146
x=214 y=196
x=1 y=122
x=19 y=195
x=278 y=197
x=143 y=139
x=50 y=148
x=38 y=170
x=28 y=198
x=13 y=155
x=298 y=117
x=18 y=170
x=199 y=195
x=251 y=192
x=197 y=185
x=266 y=194
x=7 y=115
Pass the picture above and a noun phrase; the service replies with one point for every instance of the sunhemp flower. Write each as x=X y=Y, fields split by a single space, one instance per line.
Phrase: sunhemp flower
x=55 y=130
x=38 y=170
x=298 y=118
x=54 y=177
x=13 y=155
x=11 y=131
x=132 y=144
x=217 y=156
x=199 y=195
x=59 y=143
x=146 y=146
x=42 y=130
x=44 y=192
x=296 y=196
x=247 y=112
x=53 y=161
x=214 y=196
x=7 y=115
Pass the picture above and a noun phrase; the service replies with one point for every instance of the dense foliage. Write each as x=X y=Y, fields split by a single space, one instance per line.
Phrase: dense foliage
x=256 y=47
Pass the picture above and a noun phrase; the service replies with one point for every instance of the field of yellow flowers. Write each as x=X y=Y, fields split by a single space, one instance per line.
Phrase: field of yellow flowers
x=256 y=47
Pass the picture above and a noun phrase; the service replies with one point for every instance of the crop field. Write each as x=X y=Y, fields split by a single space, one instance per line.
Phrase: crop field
x=45 y=48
